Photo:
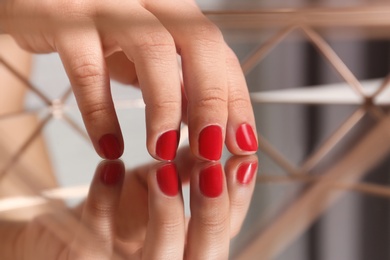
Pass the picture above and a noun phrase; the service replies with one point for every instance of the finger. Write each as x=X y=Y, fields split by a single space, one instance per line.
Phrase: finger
x=131 y=224
x=165 y=236
x=122 y=69
x=153 y=52
x=204 y=73
x=240 y=176
x=84 y=63
x=96 y=234
x=133 y=210
x=241 y=135
x=208 y=232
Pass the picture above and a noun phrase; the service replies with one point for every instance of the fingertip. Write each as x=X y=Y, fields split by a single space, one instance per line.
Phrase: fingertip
x=242 y=139
x=246 y=172
x=168 y=179
x=110 y=147
x=210 y=143
x=241 y=169
x=211 y=181
x=166 y=145
x=246 y=138
x=111 y=172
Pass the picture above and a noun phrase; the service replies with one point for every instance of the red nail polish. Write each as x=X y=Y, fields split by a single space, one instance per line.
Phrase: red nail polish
x=110 y=146
x=211 y=181
x=111 y=172
x=246 y=171
x=167 y=144
x=168 y=180
x=246 y=138
x=210 y=142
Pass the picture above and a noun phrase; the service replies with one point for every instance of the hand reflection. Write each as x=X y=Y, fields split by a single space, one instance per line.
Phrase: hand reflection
x=140 y=214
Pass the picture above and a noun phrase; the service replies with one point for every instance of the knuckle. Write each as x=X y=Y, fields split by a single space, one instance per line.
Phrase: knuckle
x=216 y=225
x=238 y=205
x=86 y=73
x=212 y=101
x=213 y=97
x=166 y=105
x=172 y=226
x=156 y=43
x=95 y=111
x=100 y=210
x=239 y=102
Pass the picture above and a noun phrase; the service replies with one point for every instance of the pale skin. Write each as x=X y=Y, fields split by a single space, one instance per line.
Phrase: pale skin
x=137 y=42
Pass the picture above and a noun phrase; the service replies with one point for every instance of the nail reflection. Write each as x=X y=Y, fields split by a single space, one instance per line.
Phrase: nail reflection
x=246 y=171
x=167 y=179
x=211 y=181
x=111 y=172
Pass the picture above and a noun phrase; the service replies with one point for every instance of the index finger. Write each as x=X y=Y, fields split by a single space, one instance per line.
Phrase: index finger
x=83 y=59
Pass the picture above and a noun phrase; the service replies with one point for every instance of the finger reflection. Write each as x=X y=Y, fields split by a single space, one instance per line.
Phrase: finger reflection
x=94 y=239
x=240 y=176
x=139 y=213
x=165 y=234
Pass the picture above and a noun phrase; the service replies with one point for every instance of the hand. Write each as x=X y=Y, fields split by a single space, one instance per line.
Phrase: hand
x=140 y=214
x=138 y=41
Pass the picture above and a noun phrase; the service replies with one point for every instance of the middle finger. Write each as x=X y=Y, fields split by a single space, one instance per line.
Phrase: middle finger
x=201 y=46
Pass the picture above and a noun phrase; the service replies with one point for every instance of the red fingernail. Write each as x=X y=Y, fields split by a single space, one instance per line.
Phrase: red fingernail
x=210 y=142
x=246 y=138
x=168 y=180
x=167 y=144
x=211 y=181
x=111 y=173
x=110 y=146
x=246 y=171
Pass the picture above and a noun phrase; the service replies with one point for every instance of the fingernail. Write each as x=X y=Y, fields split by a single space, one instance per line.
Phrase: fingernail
x=168 y=180
x=111 y=173
x=246 y=138
x=211 y=181
x=246 y=171
x=167 y=144
x=210 y=142
x=110 y=146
